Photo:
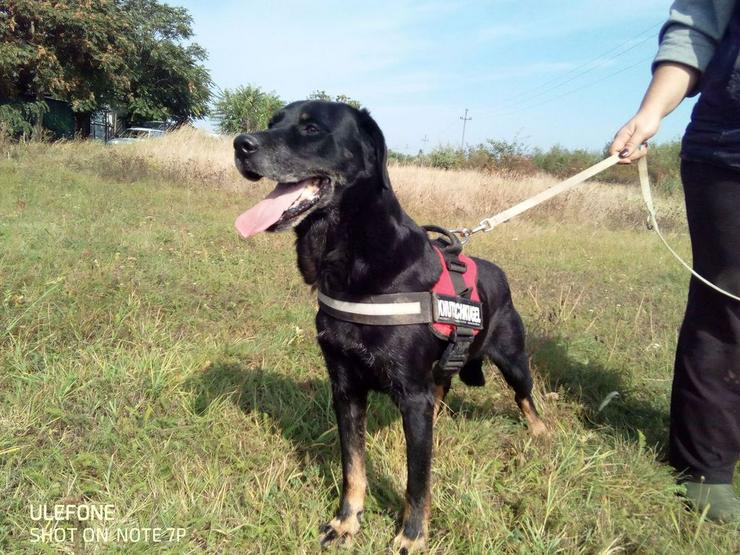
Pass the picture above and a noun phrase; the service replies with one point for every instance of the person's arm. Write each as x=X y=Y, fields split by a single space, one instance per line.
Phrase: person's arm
x=687 y=44
x=670 y=84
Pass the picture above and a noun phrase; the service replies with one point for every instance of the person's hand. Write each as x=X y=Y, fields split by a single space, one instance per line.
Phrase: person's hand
x=670 y=83
x=633 y=134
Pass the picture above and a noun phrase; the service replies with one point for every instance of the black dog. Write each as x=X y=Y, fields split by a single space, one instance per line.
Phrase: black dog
x=353 y=238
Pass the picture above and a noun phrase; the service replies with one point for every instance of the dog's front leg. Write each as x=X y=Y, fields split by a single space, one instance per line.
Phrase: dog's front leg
x=350 y=409
x=417 y=411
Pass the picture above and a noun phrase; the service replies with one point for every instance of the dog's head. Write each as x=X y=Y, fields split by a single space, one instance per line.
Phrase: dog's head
x=315 y=151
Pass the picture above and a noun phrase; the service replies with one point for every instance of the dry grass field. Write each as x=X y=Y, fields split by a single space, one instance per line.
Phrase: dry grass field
x=151 y=360
x=456 y=198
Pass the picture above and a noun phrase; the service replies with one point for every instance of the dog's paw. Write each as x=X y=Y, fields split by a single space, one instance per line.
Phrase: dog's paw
x=404 y=545
x=340 y=531
x=538 y=428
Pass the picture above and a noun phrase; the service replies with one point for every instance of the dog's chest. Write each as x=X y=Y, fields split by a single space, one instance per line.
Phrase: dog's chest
x=363 y=346
x=379 y=356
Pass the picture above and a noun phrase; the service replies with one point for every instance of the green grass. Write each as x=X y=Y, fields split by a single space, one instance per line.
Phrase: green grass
x=151 y=360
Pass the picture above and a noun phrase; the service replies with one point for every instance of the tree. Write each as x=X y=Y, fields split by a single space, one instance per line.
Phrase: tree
x=245 y=109
x=63 y=49
x=125 y=54
x=168 y=79
x=347 y=100
x=323 y=95
x=320 y=95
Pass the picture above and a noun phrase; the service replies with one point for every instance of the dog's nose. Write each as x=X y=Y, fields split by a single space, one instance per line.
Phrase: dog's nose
x=245 y=144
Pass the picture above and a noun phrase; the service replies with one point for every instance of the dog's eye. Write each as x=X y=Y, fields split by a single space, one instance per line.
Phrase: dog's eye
x=311 y=129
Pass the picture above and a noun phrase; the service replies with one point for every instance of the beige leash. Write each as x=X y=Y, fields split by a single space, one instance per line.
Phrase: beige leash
x=488 y=224
x=653 y=223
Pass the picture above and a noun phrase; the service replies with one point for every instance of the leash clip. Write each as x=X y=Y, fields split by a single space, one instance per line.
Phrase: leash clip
x=484 y=225
x=464 y=233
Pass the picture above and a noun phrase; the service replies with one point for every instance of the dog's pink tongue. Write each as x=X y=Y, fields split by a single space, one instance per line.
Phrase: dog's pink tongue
x=265 y=213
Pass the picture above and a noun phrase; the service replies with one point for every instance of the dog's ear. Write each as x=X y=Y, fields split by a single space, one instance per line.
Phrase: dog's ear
x=379 y=150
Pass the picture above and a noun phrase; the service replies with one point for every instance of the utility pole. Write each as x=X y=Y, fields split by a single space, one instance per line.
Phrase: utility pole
x=465 y=119
x=425 y=140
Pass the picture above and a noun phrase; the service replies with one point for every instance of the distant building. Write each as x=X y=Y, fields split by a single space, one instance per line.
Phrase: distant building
x=61 y=122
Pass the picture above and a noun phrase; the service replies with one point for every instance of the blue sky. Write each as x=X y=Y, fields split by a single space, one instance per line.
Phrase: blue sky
x=542 y=72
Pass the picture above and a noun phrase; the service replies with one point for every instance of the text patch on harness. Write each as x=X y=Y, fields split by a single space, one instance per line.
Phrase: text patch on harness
x=458 y=285
x=457 y=311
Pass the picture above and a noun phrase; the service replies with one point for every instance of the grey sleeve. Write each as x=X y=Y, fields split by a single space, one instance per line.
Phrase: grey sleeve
x=692 y=32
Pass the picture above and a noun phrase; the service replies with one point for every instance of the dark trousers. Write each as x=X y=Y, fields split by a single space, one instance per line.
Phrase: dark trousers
x=705 y=403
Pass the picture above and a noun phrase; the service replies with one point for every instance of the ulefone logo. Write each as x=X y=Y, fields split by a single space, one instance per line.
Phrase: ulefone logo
x=92 y=523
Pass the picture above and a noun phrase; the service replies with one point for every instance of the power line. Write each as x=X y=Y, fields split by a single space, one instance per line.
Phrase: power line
x=608 y=55
x=584 y=72
x=447 y=128
x=566 y=93
x=571 y=75
x=538 y=90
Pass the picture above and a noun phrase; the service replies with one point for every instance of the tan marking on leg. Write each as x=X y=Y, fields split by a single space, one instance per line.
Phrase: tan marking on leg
x=439 y=400
x=536 y=425
x=356 y=482
x=427 y=511
x=354 y=495
x=411 y=546
x=343 y=530
x=401 y=541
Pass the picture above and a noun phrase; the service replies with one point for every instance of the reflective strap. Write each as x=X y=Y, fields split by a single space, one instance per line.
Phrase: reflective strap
x=372 y=309
x=380 y=310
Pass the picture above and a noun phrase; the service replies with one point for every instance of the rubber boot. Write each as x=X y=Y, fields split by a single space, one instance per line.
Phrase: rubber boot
x=723 y=502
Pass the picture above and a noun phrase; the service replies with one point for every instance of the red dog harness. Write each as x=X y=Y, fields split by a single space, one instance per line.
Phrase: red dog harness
x=448 y=296
x=452 y=308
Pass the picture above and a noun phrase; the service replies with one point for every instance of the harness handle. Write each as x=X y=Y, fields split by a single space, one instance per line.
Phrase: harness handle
x=448 y=242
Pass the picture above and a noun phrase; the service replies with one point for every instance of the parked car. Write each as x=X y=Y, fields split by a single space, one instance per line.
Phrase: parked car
x=133 y=134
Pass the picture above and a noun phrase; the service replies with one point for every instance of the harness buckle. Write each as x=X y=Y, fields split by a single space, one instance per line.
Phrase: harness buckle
x=456 y=353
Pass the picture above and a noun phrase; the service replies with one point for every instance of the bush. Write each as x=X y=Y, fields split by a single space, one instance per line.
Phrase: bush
x=12 y=122
x=664 y=166
x=323 y=95
x=562 y=162
x=406 y=159
x=447 y=158
x=492 y=156
x=501 y=156
x=514 y=157
x=21 y=120
x=245 y=109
